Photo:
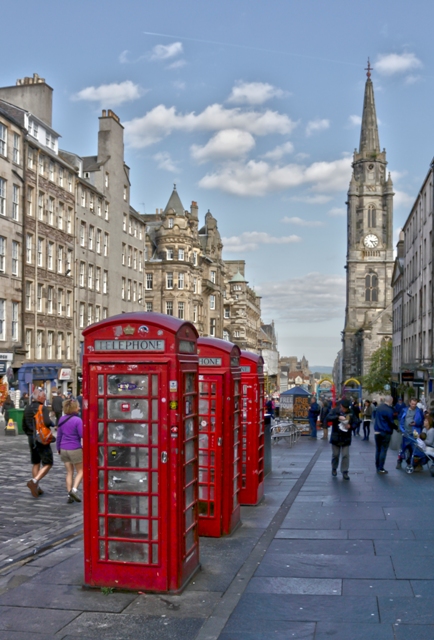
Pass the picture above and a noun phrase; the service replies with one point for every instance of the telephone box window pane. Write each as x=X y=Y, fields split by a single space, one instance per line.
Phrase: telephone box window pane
x=154 y=409
x=189 y=382
x=128 y=433
x=155 y=505
x=189 y=428
x=203 y=458
x=101 y=526
x=212 y=424
x=101 y=502
x=188 y=407
x=101 y=408
x=213 y=407
x=155 y=385
x=203 y=475
x=101 y=479
x=154 y=529
x=189 y=473
x=128 y=385
x=128 y=528
x=236 y=420
x=128 y=481
x=203 y=406
x=189 y=450
x=189 y=517
x=189 y=539
x=189 y=495
x=155 y=458
x=127 y=409
x=154 y=439
x=100 y=431
x=100 y=456
x=128 y=552
x=154 y=554
x=133 y=457
x=100 y=385
x=101 y=550
x=213 y=388
x=128 y=505
x=155 y=482
x=203 y=441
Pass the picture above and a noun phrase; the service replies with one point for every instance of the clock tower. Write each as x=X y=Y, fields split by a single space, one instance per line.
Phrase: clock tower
x=368 y=313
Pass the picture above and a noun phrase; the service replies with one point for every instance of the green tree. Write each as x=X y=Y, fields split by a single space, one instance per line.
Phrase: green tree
x=380 y=369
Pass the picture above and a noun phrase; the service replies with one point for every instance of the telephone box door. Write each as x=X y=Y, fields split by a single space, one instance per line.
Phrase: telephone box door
x=210 y=454
x=129 y=475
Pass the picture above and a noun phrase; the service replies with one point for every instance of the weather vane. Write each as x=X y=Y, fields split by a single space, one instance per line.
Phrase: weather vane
x=368 y=69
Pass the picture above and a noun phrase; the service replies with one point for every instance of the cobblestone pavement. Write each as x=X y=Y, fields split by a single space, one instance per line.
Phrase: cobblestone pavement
x=320 y=557
x=27 y=523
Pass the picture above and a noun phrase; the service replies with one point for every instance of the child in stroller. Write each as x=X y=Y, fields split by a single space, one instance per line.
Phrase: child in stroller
x=420 y=449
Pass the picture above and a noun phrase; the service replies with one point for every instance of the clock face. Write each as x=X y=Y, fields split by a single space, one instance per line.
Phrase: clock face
x=370 y=241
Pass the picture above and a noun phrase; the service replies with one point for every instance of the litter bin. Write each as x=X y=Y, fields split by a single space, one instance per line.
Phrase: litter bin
x=17 y=416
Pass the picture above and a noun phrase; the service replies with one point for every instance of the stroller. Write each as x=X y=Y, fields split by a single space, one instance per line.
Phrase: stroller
x=416 y=448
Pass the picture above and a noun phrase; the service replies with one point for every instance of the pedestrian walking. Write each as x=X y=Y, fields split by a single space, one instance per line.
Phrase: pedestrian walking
x=24 y=400
x=41 y=455
x=57 y=405
x=411 y=420
x=69 y=447
x=340 y=439
x=367 y=417
x=399 y=408
x=384 y=426
x=313 y=413
x=355 y=409
x=8 y=404
x=323 y=417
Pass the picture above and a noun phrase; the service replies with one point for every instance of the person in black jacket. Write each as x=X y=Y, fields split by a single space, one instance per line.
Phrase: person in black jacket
x=342 y=424
x=57 y=405
x=41 y=455
x=383 y=428
x=8 y=404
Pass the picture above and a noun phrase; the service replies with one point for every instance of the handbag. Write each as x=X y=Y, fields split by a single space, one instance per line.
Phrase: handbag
x=395 y=440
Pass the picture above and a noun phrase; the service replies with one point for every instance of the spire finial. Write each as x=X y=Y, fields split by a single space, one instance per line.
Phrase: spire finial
x=368 y=69
x=174 y=186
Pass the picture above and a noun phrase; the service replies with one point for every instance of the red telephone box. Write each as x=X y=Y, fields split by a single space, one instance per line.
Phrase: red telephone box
x=140 y=377
x=252 y=428
x=219 y=437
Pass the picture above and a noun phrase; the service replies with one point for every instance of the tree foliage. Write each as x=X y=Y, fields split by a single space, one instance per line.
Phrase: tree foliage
x=380 y=369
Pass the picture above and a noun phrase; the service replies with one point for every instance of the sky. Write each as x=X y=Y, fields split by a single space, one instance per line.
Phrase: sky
x=253 y=109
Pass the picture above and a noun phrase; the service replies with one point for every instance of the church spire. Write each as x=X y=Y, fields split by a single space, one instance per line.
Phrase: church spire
x=369 y=140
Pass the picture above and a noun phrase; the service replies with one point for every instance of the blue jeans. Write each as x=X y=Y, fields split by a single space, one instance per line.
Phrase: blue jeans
x=312 y=424
x=382 y=441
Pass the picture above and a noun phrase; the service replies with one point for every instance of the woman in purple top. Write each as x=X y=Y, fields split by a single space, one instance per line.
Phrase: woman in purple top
x=69 y=435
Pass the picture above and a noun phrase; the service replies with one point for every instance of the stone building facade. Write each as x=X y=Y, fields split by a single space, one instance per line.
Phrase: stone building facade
x=369 y=265
x=241 y=309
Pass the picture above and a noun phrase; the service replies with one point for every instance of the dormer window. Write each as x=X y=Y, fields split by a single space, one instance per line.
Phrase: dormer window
x=170 y=223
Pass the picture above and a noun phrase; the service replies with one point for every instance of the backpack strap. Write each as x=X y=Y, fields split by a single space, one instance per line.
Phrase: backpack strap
x=64 y=421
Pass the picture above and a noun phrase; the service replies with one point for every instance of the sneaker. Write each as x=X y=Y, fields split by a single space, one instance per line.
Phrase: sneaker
x=74 y=495
x=382 y=471
x=69 y=500
x=399 y=464
x=33 y=488
x=345 y=476
x=334 y=473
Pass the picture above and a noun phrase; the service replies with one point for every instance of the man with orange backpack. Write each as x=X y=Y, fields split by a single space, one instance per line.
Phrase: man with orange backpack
x=36 y=418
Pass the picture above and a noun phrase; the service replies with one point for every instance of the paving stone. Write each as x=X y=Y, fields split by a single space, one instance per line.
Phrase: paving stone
x=332 y=547
x=391 y=588
x=325 y=566
x=414 y=631
x=413 y=567
x=34 y=620
x=423 y=534
x=351 y=631
x=348 y=523
x=395 y=547
x=424 y=588
x=276 y=629
x=407 y=610
x=128 y=627
x=379 y=534
x=336 y=511
x=66 y=597
x=301 y=586
x=306 y=608
x=189 y=604
x=304 y=534
x=312 y=523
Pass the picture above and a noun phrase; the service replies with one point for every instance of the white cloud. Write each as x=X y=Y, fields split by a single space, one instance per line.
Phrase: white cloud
x=229 y=143
x=315 y=297
x=320 y=198
x=314 y=126
x=253 y=93
x=402 y=199
x=412 y=79
x=123 y=57
x=161 y=121
x=278 y=152
x=110 y=94
x=336 y=212
x=165 y=162
x=390 y=63
x=300 y=222
x=165 y=52
x=178 y=84
x=177 y=65
x=251 y=240
x=355 y=121
x=256 y=178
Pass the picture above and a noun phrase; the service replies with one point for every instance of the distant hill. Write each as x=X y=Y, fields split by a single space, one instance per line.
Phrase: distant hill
x=318 y=369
